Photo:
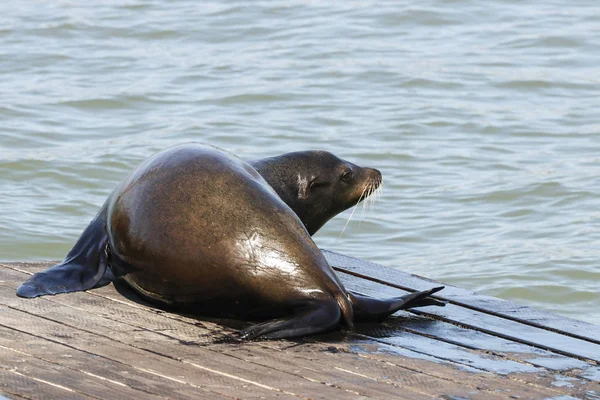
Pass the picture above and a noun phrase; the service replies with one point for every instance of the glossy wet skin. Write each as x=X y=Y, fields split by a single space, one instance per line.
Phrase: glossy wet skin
x=194 y=225
x=317 y=185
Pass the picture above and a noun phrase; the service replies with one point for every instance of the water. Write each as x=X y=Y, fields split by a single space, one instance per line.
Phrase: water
x=482 y=116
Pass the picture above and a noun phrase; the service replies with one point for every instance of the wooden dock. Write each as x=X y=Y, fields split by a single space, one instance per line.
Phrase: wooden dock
x=104 y=344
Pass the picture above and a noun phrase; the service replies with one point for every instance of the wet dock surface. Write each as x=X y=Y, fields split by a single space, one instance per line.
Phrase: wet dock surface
x=106 y=344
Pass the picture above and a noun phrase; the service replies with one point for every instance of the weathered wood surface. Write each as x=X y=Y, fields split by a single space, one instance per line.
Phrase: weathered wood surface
x=103 y=344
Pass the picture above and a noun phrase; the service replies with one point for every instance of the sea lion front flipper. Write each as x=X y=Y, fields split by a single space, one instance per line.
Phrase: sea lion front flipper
x=83 y=268
x=317 y=316
x=369 y=308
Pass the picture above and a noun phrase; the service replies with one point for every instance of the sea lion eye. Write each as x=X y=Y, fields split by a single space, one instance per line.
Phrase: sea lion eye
x=347 y=176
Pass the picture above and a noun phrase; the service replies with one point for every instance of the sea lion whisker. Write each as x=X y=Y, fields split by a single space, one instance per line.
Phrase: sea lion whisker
x=364 y=203
x=374 y=200
x=378 y=191
x=372 y=197
x=353 y=209
x=376 y=195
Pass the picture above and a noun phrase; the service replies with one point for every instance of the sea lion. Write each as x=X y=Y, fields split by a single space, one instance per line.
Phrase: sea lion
x=197 y=228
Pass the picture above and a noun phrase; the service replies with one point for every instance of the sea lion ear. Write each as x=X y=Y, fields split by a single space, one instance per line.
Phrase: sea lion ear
x=302 y=187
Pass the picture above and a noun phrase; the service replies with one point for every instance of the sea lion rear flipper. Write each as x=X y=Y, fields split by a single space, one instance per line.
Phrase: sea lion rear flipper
x=369 y=308
x=317 y=316
x=84 y=267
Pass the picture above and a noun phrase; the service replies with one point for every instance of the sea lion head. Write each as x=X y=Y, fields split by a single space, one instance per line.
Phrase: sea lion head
x=317 y=185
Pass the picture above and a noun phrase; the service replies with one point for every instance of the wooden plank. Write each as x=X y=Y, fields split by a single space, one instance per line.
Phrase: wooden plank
x=493 y=345
x=455 y=353
x=427 y=383
x=155 y=363
x=13 y=397
x=178 y=332
x=108 y=371
x=466 y=298
x=183 y=355
x=18 y=385
x=177 y=335
x=469 y=338
x=539 y=377
x=190 y=336
x=546 y=382
x=427 y=346
x=374 y=359
x=327 y=370
x=81 y=383
x=187 y=335
x=201 y=358
x=205 y=360
x=507 y=329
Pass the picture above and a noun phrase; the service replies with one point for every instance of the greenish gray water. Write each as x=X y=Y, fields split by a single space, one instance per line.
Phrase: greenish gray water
x=482 y=116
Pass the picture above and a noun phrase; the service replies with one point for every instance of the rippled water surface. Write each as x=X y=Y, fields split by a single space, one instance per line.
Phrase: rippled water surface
x=483 y=117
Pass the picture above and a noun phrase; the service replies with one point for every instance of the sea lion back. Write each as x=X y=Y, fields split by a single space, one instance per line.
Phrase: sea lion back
x=193 y=220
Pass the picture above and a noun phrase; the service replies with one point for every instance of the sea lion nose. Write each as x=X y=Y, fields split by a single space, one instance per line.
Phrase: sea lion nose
x=374 y=175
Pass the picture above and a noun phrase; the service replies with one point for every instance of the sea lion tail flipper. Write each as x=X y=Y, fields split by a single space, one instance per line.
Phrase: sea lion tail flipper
x=420 y=299
x=83 y=268
x=317 y=316
x=369 y=308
